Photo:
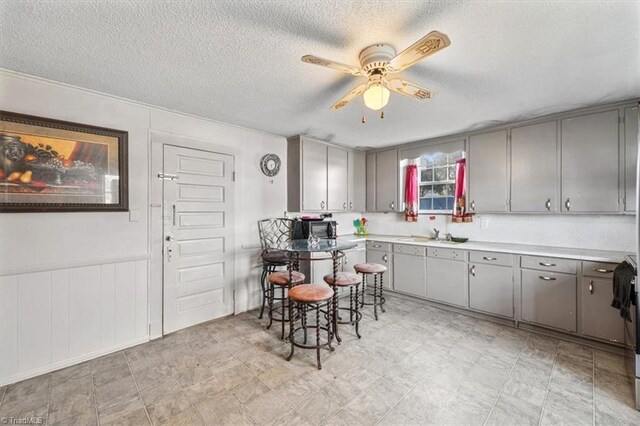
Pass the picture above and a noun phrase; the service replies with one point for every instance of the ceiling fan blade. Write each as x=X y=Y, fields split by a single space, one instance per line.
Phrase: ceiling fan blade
x=349 y=97
x=349 y=69
x=426 y=46
x=409 y=89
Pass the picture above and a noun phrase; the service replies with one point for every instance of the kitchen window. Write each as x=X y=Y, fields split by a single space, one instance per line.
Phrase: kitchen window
x=437 y=181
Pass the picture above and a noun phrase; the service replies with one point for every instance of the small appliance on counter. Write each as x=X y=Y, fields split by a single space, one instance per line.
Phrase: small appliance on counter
x=314 y=225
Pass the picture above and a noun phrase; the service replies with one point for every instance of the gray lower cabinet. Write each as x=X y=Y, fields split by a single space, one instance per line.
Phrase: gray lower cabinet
x=382 y=258
x=590 y=165
x=549 y=299
x=447 y=281
x=534 y=168
x=631 y=120
x=353 y=257
x=491 y=289
x=410 y=274
x=599 y=319
x=488 y=172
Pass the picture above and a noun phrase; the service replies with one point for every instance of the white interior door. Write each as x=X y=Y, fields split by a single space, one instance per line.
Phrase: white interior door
x=198 y=237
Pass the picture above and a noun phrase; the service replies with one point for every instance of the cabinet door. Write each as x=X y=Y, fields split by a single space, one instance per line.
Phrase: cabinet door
x=549 y=298
x=410 y=274
x=357 y=178
x=338 y=179
x=534 y=177
x=447 y=281
x=387 y=181
x=631 y=157
x=488 y=172
x=353 y=257
x=382 y=258
x=599 y=318
x=371 y=182
x=491 y=289
x=590 y=163
x=314 y=176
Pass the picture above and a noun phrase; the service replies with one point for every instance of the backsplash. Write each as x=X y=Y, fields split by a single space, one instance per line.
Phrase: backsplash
x=590 y=231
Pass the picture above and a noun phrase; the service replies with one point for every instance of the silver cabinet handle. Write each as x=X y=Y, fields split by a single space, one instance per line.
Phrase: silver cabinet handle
x=345 y=260
x=473 y=270
x=385 y=258
x=546 y=264
x=392 y=205
x=567 y=204
x=542 y=277
x=602 y=271
x=376 y=245
x=591 y=287
x=350 y=205
x=169 y=238
x=489 y=258
x=344 y=206
x=548 y=205
x=472 y=205
x=322 y=205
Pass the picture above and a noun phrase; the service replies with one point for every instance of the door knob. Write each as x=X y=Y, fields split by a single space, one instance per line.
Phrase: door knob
x=169 y=238
x=567 y=204
x=472 y=205
x=548 y=204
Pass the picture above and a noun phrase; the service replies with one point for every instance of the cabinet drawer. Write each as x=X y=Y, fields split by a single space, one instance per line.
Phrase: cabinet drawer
x=549 y=264
x=377 y=245
x=598 y=269
x=409 y=249
x=491 y=258
x=447 y=253
x=549 y=298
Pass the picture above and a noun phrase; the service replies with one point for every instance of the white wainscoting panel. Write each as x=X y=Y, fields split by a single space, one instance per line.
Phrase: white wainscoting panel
x=52 y=319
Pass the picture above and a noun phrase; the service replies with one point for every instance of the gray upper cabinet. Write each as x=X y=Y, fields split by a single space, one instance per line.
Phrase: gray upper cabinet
x=357 y=179
x=314 y=175
x=590 y=163
x=337 y=178
x=387 y=181
x=371 y=182
x=534 y=168
x=630 y=157
x=488 y=172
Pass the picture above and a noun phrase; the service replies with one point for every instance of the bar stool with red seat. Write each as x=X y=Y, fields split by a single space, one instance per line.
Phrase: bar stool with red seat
x=285 y=280
x=376 y=270
x=351 y=280
x=303 y=298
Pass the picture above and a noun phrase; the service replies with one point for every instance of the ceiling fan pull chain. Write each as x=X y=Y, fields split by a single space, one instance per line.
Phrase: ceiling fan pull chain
x=364 y=119
x=381 y=115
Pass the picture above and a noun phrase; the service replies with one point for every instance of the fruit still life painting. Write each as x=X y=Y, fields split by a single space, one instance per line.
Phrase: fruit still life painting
x=48 y=165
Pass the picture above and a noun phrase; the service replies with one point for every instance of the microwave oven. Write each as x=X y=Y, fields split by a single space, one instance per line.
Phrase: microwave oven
x=320 y=228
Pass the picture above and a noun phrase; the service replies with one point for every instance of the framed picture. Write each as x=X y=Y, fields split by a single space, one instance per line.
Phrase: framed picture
x=49 y=165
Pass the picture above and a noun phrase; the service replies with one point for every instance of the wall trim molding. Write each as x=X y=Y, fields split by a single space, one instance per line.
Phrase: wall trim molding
x=43 y=267
x=71 y=361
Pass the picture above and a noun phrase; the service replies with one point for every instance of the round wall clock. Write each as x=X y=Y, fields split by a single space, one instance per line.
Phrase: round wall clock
x=270 y=164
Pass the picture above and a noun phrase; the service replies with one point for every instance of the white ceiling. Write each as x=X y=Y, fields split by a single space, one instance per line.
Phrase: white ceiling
x=239 y=61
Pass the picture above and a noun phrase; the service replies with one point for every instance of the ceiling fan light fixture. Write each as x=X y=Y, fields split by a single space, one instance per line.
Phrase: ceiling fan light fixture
x=376 y=97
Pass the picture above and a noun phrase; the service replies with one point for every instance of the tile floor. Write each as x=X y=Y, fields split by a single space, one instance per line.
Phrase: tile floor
x=417 y=365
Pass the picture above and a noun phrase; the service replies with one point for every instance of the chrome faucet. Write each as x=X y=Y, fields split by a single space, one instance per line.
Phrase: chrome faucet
x=437 y=232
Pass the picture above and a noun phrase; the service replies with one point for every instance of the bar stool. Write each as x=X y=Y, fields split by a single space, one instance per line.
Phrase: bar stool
x=304 y=298
x=351 y=280
x=285 y=280
x=376 y=270
x=274 y=234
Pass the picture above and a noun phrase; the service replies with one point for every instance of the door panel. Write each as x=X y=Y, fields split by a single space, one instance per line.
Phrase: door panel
x=631 y=156
x=198 y=261
x=599 y=318
x=590 y=163
x=410 y=274
x=491 y=289
x=357 y=179
x=337 y=179
x=549 y=298
x=314 y=176
x=534 y=176
x=381 y=258
x=387 y=181
x=371 y=182
x=488 y=172
x=447 y=281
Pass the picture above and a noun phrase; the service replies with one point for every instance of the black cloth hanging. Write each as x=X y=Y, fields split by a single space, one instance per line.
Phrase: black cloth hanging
x=623 y=277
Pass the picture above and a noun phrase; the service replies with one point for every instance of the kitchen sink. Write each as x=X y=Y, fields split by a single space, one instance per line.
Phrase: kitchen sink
x=427 y=240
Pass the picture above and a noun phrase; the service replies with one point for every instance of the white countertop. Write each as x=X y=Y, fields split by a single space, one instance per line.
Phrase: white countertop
x=522 y=249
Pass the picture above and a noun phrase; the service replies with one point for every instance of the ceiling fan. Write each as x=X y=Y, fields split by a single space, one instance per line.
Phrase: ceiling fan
x=377 y=62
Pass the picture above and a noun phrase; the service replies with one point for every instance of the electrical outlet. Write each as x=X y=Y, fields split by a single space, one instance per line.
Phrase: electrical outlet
x=484 y=223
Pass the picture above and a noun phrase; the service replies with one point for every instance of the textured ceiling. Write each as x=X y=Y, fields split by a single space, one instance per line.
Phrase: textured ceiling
x=239 y=62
